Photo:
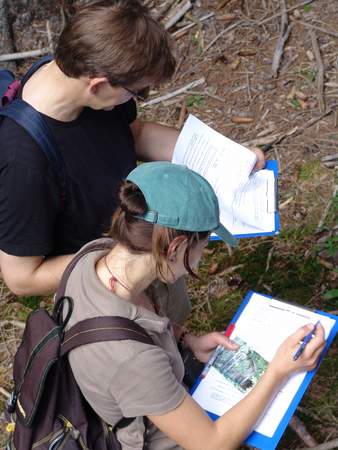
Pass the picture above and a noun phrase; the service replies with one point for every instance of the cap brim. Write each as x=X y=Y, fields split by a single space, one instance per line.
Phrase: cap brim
x=226 y=236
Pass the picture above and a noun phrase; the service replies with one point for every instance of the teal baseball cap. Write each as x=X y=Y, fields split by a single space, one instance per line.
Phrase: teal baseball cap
x=179 y=198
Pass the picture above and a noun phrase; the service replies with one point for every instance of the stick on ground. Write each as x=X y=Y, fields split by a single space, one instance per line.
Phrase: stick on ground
x=179 y=91
x=320 y=75
x=23 y=55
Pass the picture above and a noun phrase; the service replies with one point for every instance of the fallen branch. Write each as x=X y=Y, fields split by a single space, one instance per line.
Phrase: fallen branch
x=182 y=31
x=285 y=31
x=299 y=428
x=325 y=446
x=178 y=14
x=327 y=208
x=4 y=392
x=23 y=55
x=276 y=138
x=262 y=22
x=163 y=10
x=222 y=33
x=183 y=112
x=329 y=157
x=320 y=76
x=179 y=91
x=323 y=30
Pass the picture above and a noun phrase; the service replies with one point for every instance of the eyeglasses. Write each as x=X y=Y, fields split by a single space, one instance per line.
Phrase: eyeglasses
x=141 y=94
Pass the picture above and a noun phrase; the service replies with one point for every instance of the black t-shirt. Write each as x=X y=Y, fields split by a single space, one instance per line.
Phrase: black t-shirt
x=98 y=151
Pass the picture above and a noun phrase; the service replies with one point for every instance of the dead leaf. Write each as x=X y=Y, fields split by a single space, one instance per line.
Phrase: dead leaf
x=235 y=63
x=226 y=17
x=247 y=52
x=242 y=120
x=301 y=95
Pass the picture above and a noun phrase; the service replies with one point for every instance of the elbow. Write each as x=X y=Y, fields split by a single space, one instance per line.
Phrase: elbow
x=18 y=288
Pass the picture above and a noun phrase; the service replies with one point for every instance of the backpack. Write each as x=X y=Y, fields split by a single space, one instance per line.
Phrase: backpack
x=47 y=410
x=31 y=120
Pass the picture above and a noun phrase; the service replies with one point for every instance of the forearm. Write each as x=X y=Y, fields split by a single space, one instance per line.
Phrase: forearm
x=235 y=425
x=34 y=275
x=155 y=142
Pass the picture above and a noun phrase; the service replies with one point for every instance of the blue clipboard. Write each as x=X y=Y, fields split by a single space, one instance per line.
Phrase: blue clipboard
x=270 y=165
x=259 y=440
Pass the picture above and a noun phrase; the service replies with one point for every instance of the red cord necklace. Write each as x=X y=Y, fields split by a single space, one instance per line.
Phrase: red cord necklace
x=113 y=280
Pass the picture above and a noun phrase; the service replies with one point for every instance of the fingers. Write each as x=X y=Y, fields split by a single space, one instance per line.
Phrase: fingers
x=226 y=342
x=300 y=334
x=260 y=164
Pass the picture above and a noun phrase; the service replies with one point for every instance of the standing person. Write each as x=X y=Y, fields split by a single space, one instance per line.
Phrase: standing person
x=164 y=217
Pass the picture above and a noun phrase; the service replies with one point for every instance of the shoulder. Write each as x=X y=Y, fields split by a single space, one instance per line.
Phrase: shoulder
x=18 y=146
x=127 y=110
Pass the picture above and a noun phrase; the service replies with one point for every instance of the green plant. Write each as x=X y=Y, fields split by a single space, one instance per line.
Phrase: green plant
x=309 y=74
x=307 y=8
x=331 y=245
x=195 y=100
x=331 y=294
x=295 y=103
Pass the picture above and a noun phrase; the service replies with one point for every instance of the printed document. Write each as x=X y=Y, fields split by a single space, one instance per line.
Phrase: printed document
x=260 y=329
x=247 y=200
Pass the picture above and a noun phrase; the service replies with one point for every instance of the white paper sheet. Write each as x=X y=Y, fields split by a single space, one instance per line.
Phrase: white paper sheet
x=247 y=202
x=263 y=326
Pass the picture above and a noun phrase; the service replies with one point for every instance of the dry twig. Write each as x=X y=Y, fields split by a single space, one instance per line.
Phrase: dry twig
x=320 y=76
x=23 y=55
x=323 y=30
x=285 y=30
x=163 y=10
x=179 y=91
x=182 y=31
x=177 y=14
x=299 y=428
x=327 y=208
x=222 y=33
x=325 y=446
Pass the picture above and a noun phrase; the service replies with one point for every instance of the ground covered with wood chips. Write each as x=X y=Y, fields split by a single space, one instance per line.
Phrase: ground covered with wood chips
x=290 y=110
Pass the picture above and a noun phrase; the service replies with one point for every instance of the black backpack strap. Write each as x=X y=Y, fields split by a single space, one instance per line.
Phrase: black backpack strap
x=33 y=123
x=101 y=329
x=36 y=66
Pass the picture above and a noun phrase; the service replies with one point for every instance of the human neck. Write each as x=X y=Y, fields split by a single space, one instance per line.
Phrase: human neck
x=133 y=273
x=54 y=94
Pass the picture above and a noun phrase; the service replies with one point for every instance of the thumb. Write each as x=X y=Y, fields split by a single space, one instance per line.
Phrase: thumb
x=227 y=343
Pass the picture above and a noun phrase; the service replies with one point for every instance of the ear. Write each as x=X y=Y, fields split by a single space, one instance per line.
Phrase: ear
x=175 y=246
x=95 y=84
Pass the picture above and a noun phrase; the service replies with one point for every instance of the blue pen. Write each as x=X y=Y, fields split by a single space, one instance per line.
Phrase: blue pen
x=304 y=342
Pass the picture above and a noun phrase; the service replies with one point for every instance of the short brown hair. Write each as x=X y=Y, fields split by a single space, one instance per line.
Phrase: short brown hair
x=117 y=39
x=140 y=236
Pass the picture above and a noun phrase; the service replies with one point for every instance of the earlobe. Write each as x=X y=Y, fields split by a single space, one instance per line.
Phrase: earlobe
x=174 y=247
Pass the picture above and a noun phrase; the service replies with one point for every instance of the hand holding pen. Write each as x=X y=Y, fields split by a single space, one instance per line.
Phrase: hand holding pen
x=284 y=364
x=303 y=343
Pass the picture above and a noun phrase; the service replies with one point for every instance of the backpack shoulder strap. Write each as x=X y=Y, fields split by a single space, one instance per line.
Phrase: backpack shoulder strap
x=36 y=66
x=32 y=122
x=101 y=329
x=92 y=247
